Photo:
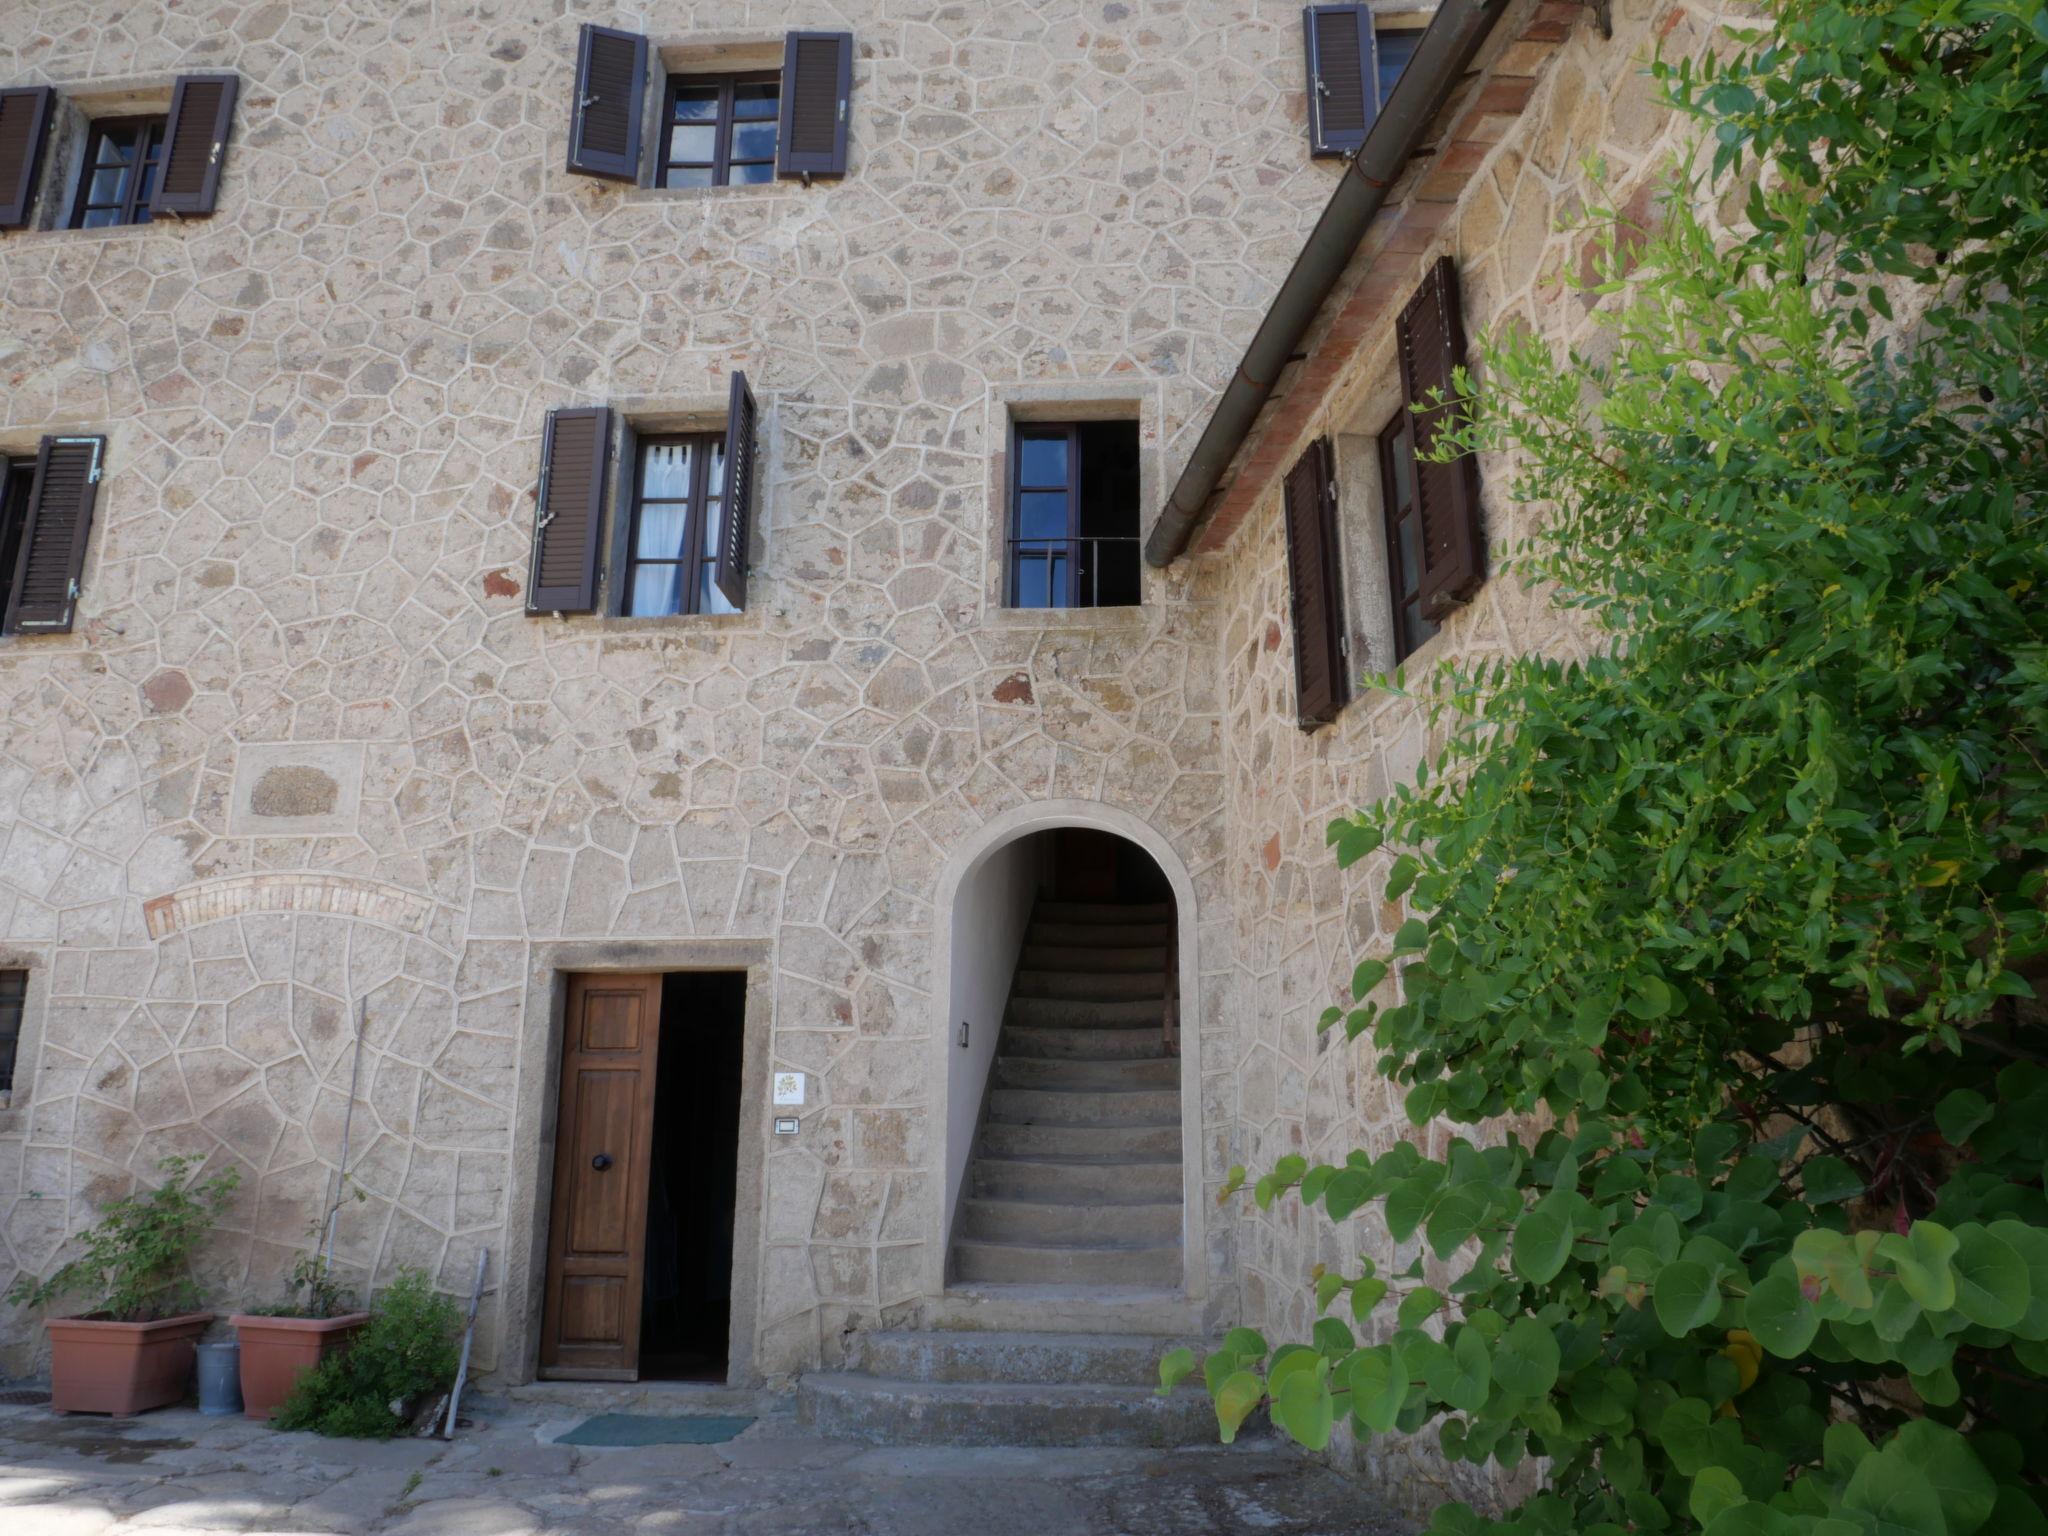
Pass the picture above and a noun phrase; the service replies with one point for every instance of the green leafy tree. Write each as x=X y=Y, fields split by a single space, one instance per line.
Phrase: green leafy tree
x=138 y=1254
x=1749 y=907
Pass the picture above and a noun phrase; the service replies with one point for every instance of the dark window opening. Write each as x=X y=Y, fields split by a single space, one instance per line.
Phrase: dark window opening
x=1074 y=515
x=1404 y=534
x=1395 y=49
x=121 y=160
x=678 y=514
x=719 y=130
x=693 y=1178
x=1092 y=866
x=17 y=477
x=13 y=1000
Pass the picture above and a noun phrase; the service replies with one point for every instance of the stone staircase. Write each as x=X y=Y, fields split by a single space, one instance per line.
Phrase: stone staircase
x=1067 y=1257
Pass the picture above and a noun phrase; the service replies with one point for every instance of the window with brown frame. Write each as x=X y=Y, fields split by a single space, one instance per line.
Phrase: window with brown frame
x=677 y=517
x=17 y=477
x=719 y=130
x=13 y=1003
x=1403 y=516
x=1074 y=515
x=120 y=170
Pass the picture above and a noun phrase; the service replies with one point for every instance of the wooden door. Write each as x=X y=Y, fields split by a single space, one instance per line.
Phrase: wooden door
x=597 y=1232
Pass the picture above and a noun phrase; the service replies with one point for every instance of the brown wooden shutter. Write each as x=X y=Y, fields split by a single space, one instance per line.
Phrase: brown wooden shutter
x=611 y=94
x=575 y=451
x=730 y=572
x=195 y=143
x=817 y=90
x=1321 y=679
x=1343 y=76
x=24 y=125
x=44 y=593
x=1430 y=337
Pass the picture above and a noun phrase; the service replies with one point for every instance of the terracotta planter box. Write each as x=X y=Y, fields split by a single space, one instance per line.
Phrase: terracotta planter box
x=100 y=1366
x=277 y=1351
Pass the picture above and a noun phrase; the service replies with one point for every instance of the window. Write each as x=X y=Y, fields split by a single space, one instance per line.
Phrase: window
x=1074 y=515
x=1396 y=47
x=13 y=1000
x=46 y=507
x=1404 y=534
x=120 y=170
x=719 y=130
x=678 y=499
x=17 y=476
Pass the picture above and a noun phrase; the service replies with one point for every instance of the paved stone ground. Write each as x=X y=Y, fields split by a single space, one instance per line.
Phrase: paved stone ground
x=176 y=1472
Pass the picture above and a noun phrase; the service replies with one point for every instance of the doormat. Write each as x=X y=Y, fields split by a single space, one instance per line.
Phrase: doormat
x=616 y=1429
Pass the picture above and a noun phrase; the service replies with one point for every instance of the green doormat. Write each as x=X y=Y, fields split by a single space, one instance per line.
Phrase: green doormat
x=654 y=1429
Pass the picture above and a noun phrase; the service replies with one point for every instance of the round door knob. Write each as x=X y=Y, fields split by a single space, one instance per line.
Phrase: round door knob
x=602 y=1161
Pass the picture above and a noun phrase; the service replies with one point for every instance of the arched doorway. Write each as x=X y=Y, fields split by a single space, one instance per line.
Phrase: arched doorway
x=1066 y=1063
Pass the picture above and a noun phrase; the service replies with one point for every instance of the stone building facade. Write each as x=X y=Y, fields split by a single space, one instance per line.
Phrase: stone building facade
x=305 y=758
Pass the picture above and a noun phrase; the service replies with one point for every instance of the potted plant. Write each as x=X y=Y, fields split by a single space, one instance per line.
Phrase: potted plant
x=280 y=1344
x=134 y=1351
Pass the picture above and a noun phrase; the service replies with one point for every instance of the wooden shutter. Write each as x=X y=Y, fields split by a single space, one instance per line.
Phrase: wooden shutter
x=730 y=573
x=1430 y=337
x=611 y=95
x=44 y=592
x=195 y=143
x=817 y=87
x=575 y=451
x=24 y=125
x=1343 y=76
x=1321 y=682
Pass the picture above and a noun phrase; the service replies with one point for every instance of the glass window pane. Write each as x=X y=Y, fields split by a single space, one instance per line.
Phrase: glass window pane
x=709 y=598
x=693 y=141
x=758 y=174
x=1031 y=588
x=756 y=101
x=665 y=471
x=662 y=525
x=1042 y=460
x=100 y=218
x=108 y=185
x=1041 y=514
x=714 y=521
x=1411 y=571
x=142 y=193
x=689 y=176
x=753 y=141
x=697 y=104
x=657 y=589
x=117 y=146
x=1056 y=580
x=1404 y=472
x=716 y=486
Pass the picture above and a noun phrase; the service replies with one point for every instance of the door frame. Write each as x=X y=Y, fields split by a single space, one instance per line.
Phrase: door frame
x=549 y=967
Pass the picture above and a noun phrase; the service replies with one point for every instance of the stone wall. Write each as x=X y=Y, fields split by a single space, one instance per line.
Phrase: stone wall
x=1516 y=231
x=302 y=647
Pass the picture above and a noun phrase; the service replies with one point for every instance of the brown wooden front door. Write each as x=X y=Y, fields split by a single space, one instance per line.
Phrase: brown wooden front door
x=597 y=1232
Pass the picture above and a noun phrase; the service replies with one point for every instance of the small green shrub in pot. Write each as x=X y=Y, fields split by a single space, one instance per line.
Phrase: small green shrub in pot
x=405 y=1353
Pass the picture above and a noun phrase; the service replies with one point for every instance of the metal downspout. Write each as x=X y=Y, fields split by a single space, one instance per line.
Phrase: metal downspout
x=1441 y=57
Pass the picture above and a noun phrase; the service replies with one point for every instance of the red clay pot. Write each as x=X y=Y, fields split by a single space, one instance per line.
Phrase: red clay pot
x=277 y=1351
x=101 y=1366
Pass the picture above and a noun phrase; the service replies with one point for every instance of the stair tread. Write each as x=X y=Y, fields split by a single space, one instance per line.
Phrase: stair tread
x=1078 y=1159
x=1003 y=1391
x=1006 y=1242
x=997 y=1338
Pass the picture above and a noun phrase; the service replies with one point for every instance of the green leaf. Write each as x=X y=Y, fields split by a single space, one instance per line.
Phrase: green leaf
x=1456 y=1218
x=1686 y=1295
x=1782 y=1319
x=1247 y=1345
x=1945 y=1461
x=1650 y=998
x=1893 y=1498
x=1525 y=1360
x=1829 y=1180
x=1543 y=1240
x=1960 y=1113
x=1239 y=1396
x=1920 y=1263
x=1175 y=1366
x=1993 y=1284
x=1379 y=1386
x=1714 y=1490
x=1303 y=1407
x=1369 y=974
x=1418 y=1304
x=1471 y=1377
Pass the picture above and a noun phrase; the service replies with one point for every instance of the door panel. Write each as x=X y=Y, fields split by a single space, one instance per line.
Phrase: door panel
x=597 y=1234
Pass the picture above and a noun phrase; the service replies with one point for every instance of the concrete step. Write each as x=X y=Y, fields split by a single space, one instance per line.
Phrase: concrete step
x=1096 y=986
x=1093 y=957
x=1146 y=1013
x=976 y=1260
x=1053 y=1072
x=1109 y=1184
x=1046 y=1042
x=931 y=1355
x=885 y=1411
x=1109 y=1143
x=1085 y=1106
x=1103 y=912
x=1033 y=1221
x=1089 y=935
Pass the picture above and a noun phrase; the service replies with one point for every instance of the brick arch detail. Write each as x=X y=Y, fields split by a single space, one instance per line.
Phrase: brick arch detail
x=208 y=901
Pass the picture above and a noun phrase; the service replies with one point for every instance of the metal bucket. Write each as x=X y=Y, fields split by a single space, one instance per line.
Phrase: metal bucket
x=220 y=1378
